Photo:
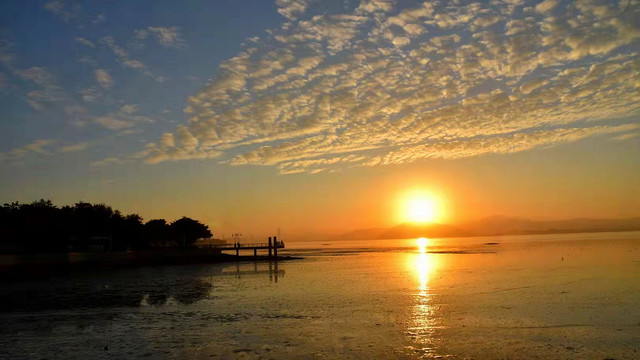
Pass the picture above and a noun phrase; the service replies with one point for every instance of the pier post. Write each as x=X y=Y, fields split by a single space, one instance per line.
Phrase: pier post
x=275 y=247
x=269 y=246
x=255 y=253
x=237 y=245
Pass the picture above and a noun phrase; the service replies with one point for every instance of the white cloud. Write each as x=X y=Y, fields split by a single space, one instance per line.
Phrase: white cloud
x=103 y=78
x=165 y=36
x=36 y=147
x=123 y=120
x=179 y=146
x=370 y=6
x=90 y=94
x=628 y=136
x=511 y=143
x=60 y=10
x=401 y=41
x=123 y=57
x=74 y=147
x=129 y=109
x=47 y=92
x=389 y=84
x=85 y=42
x=106 y=162
x=292 y=9
x=38 y=76
x=546 y=6
x=6 y=53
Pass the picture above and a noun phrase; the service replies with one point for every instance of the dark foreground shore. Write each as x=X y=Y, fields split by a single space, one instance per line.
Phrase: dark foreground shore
x=44 y=265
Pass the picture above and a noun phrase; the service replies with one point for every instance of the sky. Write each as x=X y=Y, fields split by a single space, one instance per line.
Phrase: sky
x=318 y=116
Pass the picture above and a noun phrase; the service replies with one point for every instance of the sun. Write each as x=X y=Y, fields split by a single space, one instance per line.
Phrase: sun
x=421 y=207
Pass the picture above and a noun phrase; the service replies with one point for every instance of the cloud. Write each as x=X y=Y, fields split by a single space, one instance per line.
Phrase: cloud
x=546 y=6
x=74 y=147
x=90 y=94
x=370 y=6
x=180 y=145
x=107 y=161
x=124 y=119
x=6 y=53
x=47 y=92
x=401 y=41
x=37 y=147
x=390 y=83
x=510 y=143
x=123 y=57
x=292 y=9
x=38 y=76
x=627 y=136
x=60 y=10
x=85 y=42
x=101 y=18
x=103 y=78
x=165 y=36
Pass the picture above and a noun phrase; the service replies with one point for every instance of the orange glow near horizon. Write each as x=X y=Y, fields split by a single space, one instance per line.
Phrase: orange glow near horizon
x=419 y=206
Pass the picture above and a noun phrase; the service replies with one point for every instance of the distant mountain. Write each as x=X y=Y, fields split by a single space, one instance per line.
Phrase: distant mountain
x=423 y=230
x=500 y=225
x=407 y=230
x=495 y=225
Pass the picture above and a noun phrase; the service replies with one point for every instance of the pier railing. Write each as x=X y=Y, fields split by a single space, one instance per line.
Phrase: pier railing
x=272 y=246
x=279 y=244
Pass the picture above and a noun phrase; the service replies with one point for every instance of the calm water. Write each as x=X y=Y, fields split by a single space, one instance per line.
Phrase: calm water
x=527 y=297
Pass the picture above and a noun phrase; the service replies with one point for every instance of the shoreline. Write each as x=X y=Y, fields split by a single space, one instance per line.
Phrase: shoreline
x=32 y=266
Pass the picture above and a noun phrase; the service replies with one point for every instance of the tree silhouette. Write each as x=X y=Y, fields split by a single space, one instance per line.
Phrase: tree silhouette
x=157 y=233
x=41 y=227
x=186 y=231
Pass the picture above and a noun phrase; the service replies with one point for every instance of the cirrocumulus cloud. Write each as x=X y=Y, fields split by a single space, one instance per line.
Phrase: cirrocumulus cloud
x=384 y=84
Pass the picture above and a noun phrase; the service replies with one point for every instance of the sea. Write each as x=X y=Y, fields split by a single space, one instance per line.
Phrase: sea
x=569 y=296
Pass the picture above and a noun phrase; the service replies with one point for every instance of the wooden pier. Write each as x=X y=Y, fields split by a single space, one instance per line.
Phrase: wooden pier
x=272 y=246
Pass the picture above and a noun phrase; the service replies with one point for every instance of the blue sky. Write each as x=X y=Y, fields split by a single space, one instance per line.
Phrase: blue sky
x=97 y=97
x=65 y=43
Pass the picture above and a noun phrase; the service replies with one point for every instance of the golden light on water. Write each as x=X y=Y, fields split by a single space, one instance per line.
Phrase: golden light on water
x=422 y=325
x=422 y=244
x=421 y=206
x=423 y=267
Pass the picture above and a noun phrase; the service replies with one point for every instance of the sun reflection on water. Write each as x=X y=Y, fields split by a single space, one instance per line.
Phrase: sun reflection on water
x=423 y=267
x=422 y=324
x=422 y=244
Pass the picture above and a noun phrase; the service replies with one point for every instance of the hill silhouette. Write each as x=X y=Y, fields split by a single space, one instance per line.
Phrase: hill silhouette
x=406 y=230
x=502 y=225
x=495 y=225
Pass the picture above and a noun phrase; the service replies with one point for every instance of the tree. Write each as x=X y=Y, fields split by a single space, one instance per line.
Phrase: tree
x=186 y=231
x=127 y=231
x=157 y=233
x=41 y=227
x=29 y=227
